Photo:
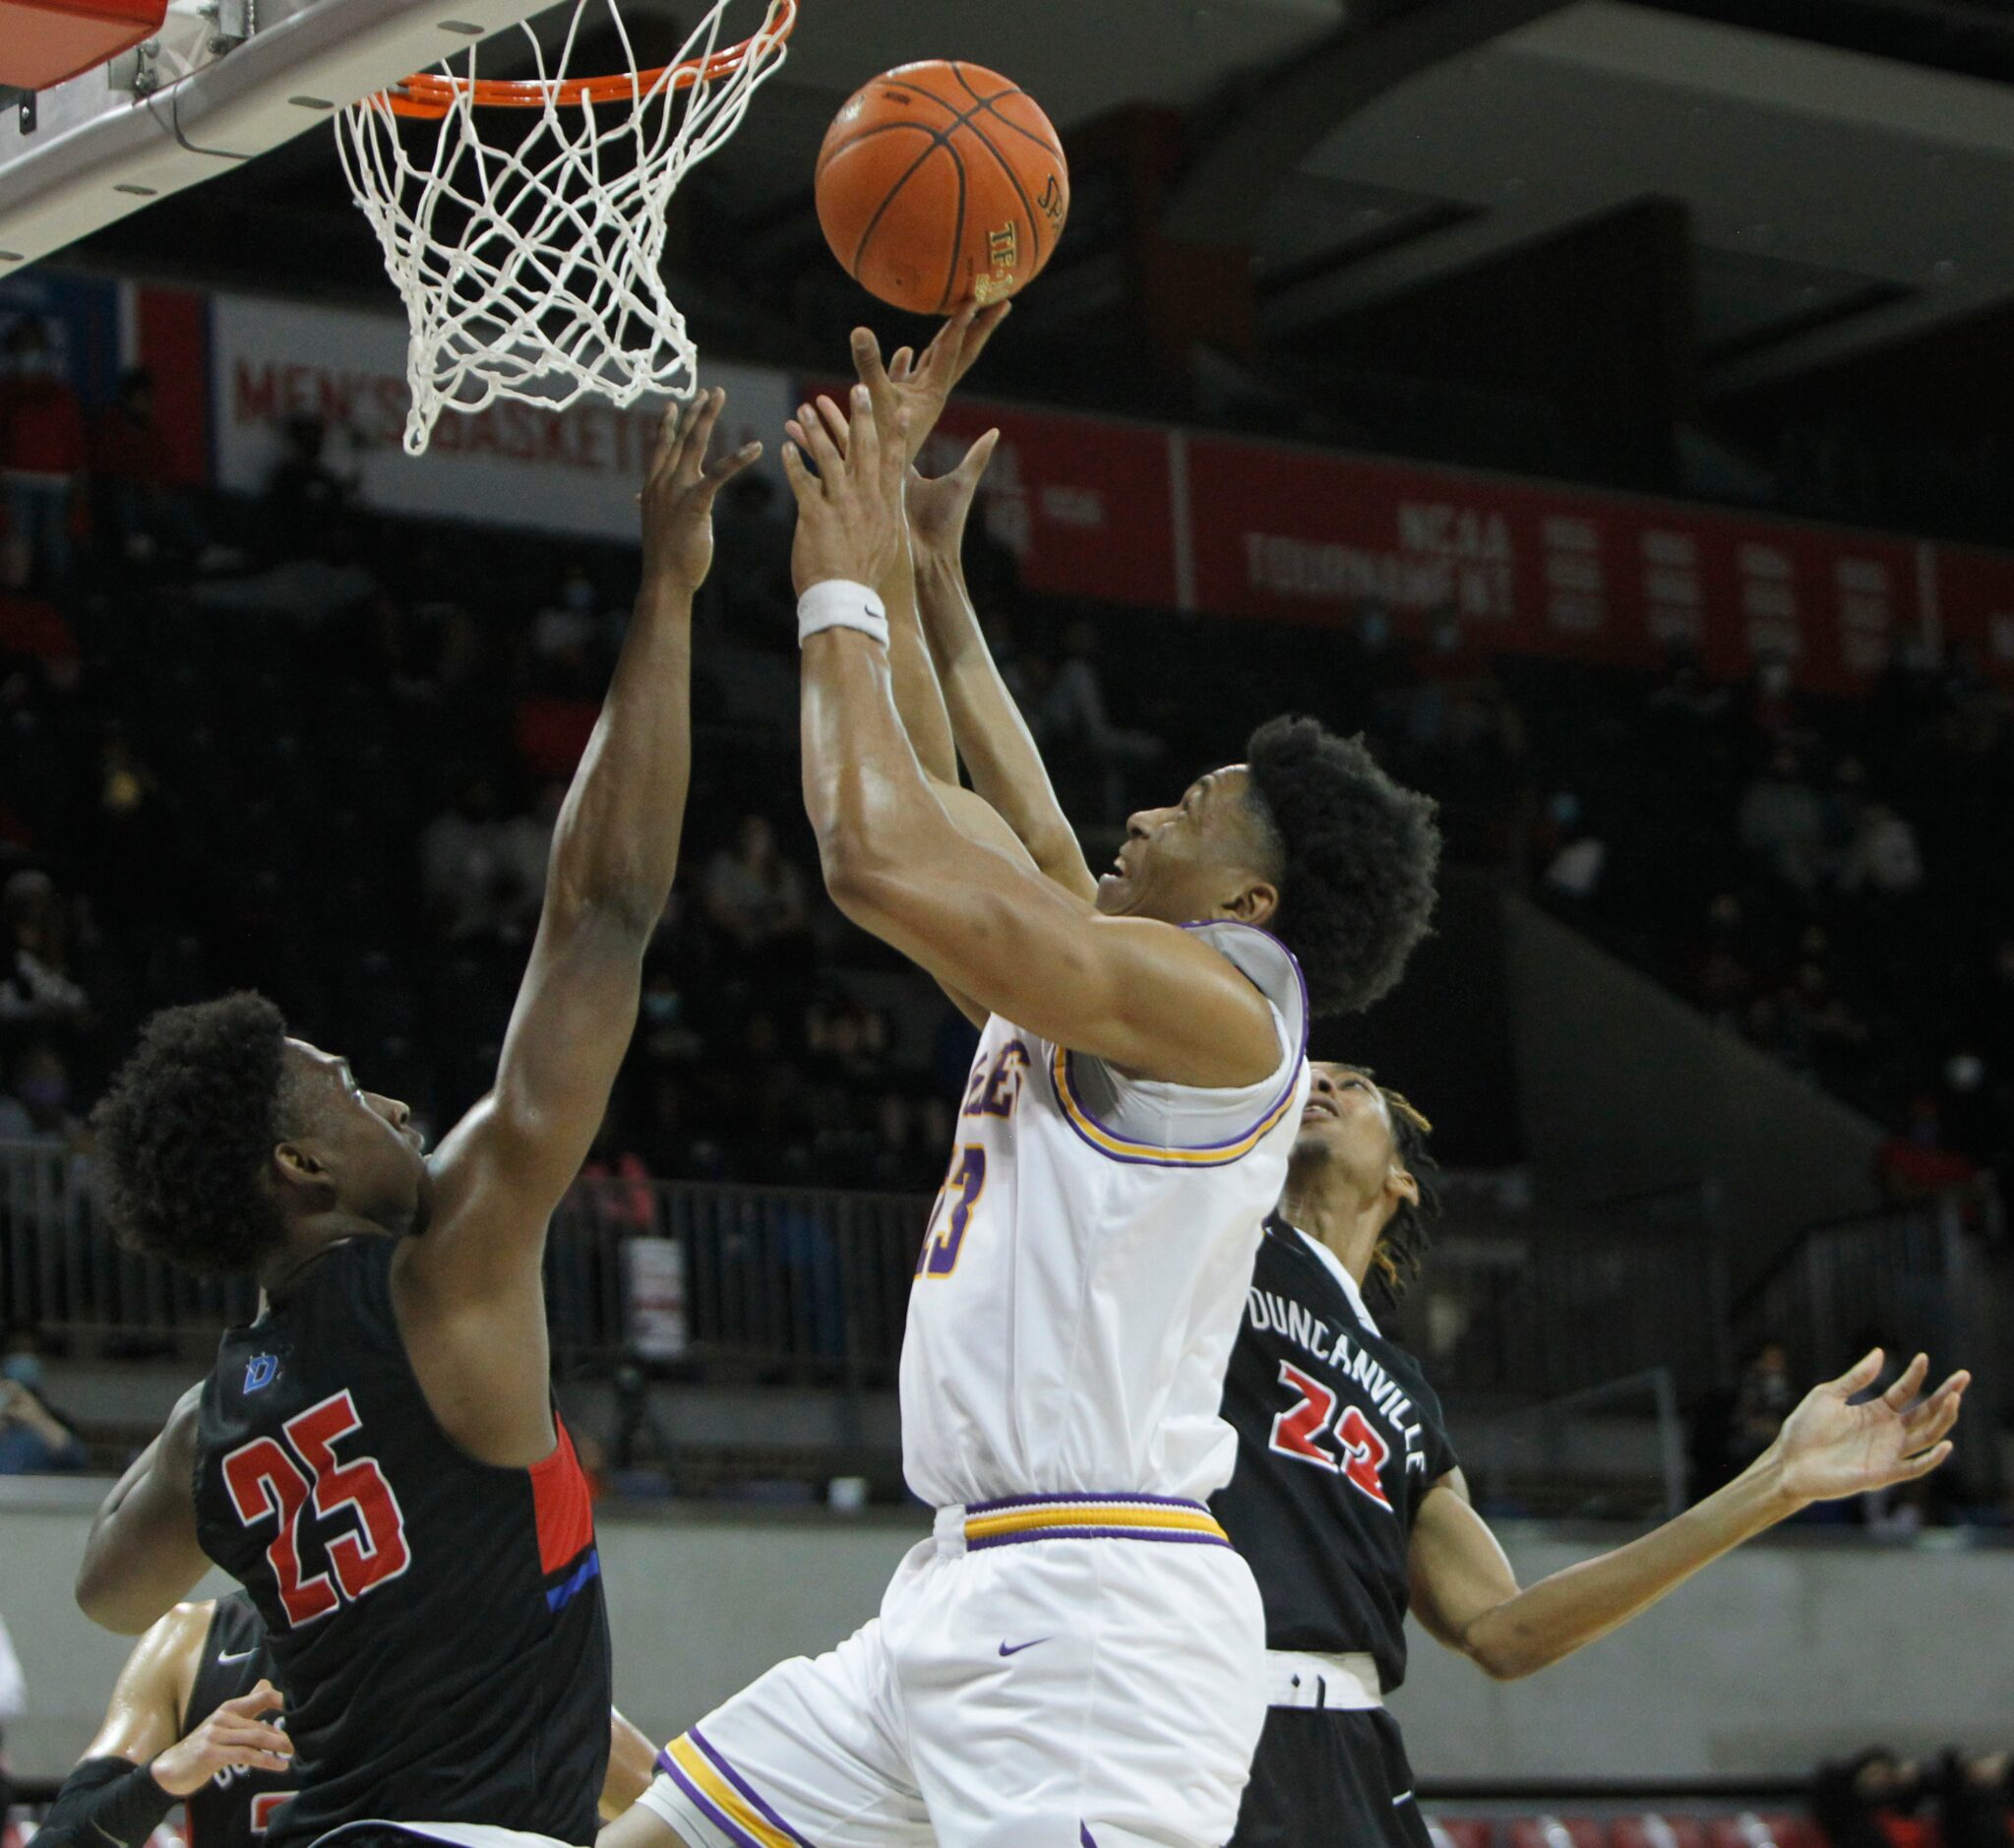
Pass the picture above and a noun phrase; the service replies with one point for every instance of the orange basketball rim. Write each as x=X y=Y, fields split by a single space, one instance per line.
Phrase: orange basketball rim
x=430 y=95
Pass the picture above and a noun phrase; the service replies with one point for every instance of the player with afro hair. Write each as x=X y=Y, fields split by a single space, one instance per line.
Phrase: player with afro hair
x=1357 y=859
x=186 y=1132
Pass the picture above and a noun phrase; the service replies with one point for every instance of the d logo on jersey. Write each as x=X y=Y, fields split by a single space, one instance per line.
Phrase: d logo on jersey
x=1309 y=1432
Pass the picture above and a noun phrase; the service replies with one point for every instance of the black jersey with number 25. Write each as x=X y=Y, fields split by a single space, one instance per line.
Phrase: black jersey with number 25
x=1339 y=1439
x=437 y=1622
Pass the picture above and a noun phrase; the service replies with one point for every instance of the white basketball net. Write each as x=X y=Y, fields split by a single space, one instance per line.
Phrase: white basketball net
x=533 y=272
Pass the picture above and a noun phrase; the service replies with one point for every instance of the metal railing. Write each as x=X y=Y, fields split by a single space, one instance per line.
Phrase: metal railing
x=752 y=1283
x=1533 y=1318
x=811 y=1286
x=1616 y=1448
x=1934 y=1277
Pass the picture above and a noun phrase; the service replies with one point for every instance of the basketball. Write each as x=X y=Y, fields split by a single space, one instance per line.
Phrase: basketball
x=941 y=183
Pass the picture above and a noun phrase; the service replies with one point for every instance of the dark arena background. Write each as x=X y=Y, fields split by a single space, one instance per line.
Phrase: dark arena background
x=1607 y=407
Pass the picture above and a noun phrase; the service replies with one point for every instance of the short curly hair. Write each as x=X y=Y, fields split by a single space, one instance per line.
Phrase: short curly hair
x=185 y=1132
x=1358 y=858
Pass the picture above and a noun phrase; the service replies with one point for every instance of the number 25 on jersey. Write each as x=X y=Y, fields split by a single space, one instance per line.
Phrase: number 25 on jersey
x=268 y=1480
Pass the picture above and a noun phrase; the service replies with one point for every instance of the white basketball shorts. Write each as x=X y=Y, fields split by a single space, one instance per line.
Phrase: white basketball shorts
x=1078 y=1672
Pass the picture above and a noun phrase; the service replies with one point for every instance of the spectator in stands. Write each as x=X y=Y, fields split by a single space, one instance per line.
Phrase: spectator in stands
x=42 y=456
x=1882 y=856
x=1086 y=752
x=1725 y=978
x=1812 y=1028
x=1917 y=1163
x=1856 y=1802
x=1974 y=1799
x=751 y=558
x=35 y=1440
x=665 y=1033
x=615 y=1182
x=756 y=897
x=16 y=1125
x=139 y=511
x=36 y=989
x=567 y=635
x=524 y=847
x=1782 y=823
x=472 y=875
x=307 y=503
x=1687 y=695
x=1763 y=1399
x=1574 y=855
x=41 y=1090
x=846 y=1041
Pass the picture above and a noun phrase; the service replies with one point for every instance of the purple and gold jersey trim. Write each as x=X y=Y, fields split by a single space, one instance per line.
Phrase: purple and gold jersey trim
x=1027 y=1517
x=1108 y=1141
x=720 y=1794
x=1147 y=1154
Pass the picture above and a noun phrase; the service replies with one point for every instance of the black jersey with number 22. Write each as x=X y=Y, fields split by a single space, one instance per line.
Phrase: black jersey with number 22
x=1339 y=1439
x=437 y=1622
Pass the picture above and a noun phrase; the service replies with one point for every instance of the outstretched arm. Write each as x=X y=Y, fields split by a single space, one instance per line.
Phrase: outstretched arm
x=472 y=1281
x=1467 y=1596
x=991 y=735
x=1143 y=995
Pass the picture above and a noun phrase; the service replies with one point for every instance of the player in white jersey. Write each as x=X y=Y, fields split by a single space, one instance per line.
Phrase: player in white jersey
x=1075 y=1656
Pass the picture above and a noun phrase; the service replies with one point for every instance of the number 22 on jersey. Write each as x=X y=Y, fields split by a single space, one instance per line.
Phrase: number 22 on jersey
x=267 y=1479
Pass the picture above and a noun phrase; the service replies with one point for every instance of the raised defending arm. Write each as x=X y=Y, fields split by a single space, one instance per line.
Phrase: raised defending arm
x=613 y=855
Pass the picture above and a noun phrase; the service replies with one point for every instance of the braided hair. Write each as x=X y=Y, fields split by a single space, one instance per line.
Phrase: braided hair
x=1402 y=1245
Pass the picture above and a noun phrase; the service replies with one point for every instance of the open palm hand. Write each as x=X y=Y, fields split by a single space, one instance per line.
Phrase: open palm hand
x=921 y=383
x=1830 y=1448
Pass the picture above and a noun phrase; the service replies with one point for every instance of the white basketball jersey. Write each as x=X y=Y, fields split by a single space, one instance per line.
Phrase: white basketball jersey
x=1086 y=1263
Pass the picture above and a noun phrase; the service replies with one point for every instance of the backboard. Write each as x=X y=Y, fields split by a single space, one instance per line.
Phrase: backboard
x=223 y=84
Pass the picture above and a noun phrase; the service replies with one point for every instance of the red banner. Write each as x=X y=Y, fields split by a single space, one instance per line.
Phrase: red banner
x=1311 y=536
x=1083 y=503
x=1975 y=593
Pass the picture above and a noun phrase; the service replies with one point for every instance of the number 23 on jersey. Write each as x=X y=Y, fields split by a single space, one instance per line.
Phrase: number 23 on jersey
x=994 y=1092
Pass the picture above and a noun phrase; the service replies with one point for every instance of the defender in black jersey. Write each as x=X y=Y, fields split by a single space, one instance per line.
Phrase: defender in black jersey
x=195 y=1718
x=1349 y=1505
x=377 y=1458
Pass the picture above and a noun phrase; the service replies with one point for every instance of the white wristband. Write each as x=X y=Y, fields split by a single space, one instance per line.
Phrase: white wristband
x=838 y=603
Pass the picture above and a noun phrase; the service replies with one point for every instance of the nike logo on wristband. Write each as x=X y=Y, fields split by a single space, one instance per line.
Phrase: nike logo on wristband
x=1019 y=1647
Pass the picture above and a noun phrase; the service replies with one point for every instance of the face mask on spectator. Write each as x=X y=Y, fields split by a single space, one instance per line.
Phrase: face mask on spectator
x=24 y=1370
x=46 y=1092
